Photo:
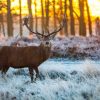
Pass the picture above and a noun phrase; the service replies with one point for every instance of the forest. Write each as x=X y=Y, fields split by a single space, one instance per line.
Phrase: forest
x=47 y=13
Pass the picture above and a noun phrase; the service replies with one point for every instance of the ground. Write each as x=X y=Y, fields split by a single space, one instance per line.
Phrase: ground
x=73 y=76
x=60 y=79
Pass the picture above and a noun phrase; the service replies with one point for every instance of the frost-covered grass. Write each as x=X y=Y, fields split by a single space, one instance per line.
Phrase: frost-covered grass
x=77 y=47
x=60 y=79
x=69 y=47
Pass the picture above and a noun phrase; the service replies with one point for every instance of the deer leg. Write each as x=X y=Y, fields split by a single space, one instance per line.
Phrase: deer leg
x=31 y=73
x=37 y=72
x=4 y=71
x=0 y=68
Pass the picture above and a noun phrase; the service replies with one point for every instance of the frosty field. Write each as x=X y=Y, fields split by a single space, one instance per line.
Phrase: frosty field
x=60 y=79
x=73 y=75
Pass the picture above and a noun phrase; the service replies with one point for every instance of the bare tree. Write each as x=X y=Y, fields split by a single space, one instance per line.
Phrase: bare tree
x=66 y=23
x=9 y=19
x=72 y=21
x=89 y=18
x=36 y=19
x=2 y=6
x=42 y=12
x=20 y=20
x=2 y=29
x=29 y=2
x=61 y=13
x=54 y=14
x=47 y=15
x=82 y=24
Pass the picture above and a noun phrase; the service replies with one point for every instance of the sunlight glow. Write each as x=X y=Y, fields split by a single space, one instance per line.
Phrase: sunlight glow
x=94 y=7
x=93 y=4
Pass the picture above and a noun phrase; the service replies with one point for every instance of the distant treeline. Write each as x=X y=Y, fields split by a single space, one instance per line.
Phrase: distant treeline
x=49 y=10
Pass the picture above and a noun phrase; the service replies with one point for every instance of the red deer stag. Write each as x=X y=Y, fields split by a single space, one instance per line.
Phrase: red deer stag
x=30 y=56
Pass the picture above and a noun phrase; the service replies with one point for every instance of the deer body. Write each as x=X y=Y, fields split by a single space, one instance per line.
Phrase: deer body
x=21 y=57
x=30 y=56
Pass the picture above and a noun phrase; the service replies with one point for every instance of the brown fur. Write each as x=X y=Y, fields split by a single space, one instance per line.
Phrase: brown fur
x=21 y=57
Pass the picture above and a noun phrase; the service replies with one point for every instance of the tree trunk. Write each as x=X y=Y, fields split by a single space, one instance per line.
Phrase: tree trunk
x=54 y=14
x=89 y=18
x=72 y=21
x=2 y=29
x=20 y=16
x=9 y=19
x=82 y=24
x=66 y=23
x=30 y=14
x=42 y=20
x=47 y=15
x=36 y=22
x=61 y=12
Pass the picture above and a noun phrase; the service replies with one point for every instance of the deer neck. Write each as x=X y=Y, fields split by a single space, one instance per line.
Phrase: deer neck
x=45 y=52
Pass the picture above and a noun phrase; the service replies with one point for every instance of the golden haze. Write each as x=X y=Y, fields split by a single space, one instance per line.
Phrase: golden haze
x=93 y=4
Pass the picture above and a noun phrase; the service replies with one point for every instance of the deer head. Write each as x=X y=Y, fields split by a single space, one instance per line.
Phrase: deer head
x=45 y=38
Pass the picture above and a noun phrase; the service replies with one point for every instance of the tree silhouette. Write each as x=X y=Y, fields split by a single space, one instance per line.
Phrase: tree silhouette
x=29 y=2
x=47 y=15
x=72 y=21
x=65 y=12
x=54 y=14
x=9 y=19
x=36 y=19
x=2 y=28
x=61 y=13
x=82 y=24
x=89 y=18
x=42 y=19
x=20 y=17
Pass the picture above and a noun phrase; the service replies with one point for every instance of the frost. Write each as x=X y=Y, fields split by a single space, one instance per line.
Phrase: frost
x=60 y=79
x=70 y=47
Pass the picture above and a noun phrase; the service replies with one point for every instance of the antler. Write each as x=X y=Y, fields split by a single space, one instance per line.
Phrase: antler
x=57 y=29
x=49 y=34
x=26 y=24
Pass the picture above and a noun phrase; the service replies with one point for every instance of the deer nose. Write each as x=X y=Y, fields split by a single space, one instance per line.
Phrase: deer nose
x=47 y=43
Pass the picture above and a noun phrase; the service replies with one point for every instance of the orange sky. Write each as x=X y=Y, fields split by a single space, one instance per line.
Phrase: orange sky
x=94 y=6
